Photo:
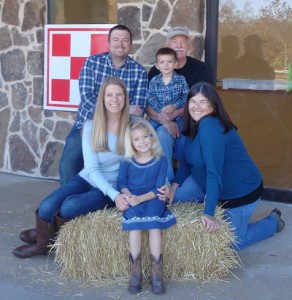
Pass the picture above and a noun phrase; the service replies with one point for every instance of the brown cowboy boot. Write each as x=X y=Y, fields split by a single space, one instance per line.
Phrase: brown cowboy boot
x=45 y=232
x=136 y=275
x=59 y=222
x=157 y=285
x=29 y=235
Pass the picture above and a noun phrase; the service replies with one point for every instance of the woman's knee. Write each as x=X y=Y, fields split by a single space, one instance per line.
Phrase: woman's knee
x=69 y=208
x=76 y=205
x=184 y=196
x=46 y=212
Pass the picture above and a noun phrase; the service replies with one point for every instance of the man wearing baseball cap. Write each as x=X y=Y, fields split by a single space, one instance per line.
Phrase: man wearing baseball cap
x=194 y=70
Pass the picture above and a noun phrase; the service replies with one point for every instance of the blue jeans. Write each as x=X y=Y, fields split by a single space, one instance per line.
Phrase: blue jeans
x=172 y=148
x=249 y=233
x=72 y=199
x=71 y=162
x=246 y=233
x=189 y=191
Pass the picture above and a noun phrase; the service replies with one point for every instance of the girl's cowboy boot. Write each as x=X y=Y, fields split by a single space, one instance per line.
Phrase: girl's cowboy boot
x=157 y=285
x=136 y=275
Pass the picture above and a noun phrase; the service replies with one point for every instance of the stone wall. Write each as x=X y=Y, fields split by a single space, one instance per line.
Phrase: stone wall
x=31 y=138
x=150 y=20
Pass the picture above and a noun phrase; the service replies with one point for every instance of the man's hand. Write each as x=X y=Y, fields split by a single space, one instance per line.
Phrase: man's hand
x=164 y=117
x=172 y=128
x=136 y=110
x=156 y=116
x=169 y=108
x=176 y=113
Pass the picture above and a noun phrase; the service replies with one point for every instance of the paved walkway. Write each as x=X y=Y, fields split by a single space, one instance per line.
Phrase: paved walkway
x=267 y=273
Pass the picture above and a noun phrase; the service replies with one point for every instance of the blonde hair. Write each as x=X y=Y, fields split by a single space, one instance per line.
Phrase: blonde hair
x=140 y=123
x=99 y=141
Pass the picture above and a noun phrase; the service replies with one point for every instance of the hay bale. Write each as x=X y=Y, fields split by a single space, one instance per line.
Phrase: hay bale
x=94 y=248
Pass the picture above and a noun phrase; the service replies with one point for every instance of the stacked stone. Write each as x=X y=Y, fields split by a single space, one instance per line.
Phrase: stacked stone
x=31 y=138
x=149 y=21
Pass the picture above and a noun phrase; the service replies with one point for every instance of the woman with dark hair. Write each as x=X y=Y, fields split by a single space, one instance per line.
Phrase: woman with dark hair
x=218 y=166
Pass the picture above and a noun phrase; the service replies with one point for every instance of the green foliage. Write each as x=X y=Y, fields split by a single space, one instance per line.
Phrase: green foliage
x=289 y=79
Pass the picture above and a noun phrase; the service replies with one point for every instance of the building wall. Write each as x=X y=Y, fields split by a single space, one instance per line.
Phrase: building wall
x=31 y=138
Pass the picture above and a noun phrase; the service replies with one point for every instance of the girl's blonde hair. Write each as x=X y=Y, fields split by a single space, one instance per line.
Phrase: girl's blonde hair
x=140 y=123
x=99 y=141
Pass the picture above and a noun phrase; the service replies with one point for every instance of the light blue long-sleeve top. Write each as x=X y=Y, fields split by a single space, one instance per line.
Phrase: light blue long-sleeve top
x=219 y=163
x=101 y=169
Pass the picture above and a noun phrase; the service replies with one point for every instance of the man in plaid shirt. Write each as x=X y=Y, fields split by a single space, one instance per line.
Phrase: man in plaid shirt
x=96 y=68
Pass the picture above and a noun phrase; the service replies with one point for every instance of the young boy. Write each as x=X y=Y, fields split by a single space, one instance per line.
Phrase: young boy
x=167 y=92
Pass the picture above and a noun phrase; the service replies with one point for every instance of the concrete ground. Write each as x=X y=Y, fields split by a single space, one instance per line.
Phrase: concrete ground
x=267 y=272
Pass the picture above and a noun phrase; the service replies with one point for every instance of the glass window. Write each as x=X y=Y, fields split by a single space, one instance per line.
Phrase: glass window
x=82 y=11
x=254 y=79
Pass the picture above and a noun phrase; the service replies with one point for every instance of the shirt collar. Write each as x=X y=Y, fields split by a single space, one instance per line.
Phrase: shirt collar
x=124 y=65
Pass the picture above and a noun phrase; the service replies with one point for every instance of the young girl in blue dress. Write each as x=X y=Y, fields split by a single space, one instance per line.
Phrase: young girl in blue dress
x=142 y=172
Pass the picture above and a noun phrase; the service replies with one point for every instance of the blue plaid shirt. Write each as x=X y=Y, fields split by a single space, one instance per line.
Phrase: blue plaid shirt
x=160 y=95
x=95 y=69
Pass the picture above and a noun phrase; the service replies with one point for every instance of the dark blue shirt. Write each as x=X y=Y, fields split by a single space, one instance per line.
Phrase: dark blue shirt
x=219 y=163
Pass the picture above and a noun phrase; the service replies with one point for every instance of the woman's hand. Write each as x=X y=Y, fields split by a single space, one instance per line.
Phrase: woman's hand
x=172 y=193
x=121 y=202
x=164 y=191
x=210 y=223
x=133 y=200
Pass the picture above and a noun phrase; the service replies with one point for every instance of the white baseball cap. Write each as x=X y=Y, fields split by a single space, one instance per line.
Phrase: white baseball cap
x=178 y=30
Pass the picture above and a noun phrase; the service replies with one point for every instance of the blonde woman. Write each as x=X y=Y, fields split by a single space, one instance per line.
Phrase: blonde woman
x=142 y=173
x=95 y=187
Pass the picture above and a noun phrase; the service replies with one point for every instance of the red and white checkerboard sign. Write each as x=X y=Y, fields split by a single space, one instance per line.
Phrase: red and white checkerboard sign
x=66 y=48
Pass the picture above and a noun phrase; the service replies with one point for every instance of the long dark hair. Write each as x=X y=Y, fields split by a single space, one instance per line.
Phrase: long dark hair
x=209 y=92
